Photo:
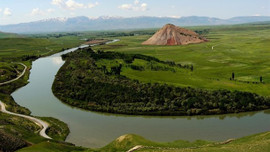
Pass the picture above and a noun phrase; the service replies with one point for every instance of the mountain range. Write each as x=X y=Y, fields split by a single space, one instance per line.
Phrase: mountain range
x=83 y=23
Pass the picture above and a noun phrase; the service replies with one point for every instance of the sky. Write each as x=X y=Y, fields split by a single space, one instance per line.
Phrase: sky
x=19 y=11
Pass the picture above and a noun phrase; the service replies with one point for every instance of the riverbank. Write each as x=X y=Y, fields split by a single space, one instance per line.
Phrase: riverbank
x=27 y=130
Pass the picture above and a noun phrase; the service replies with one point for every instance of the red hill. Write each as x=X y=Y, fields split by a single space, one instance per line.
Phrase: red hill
x=173 y=35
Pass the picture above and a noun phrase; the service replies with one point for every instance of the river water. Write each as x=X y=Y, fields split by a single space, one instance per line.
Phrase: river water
x=91 y=129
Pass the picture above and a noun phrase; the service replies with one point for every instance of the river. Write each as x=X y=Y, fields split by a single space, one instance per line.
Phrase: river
x=91 y=129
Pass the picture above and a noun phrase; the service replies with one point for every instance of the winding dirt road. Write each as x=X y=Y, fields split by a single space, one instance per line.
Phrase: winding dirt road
x=44 y=125
x=7 y=82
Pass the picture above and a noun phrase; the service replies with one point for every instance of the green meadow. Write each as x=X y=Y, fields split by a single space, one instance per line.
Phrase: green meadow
x=254 y=143
x=24 y=49
x=18 y=47
x=8 y=35
x=240 y=49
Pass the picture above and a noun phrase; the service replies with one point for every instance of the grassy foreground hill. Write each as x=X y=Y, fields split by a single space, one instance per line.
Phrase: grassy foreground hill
x=254 y=143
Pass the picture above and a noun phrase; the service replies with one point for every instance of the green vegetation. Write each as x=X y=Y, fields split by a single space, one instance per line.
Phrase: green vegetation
x=9 y=71
x=254 y=143
x=95 y=34
x=16 y=132
x=57 y=130
x=126 y=142
x=25 y=50
x=52 y=147
x=20 y=48
x=8 y=35
x=92 y=80
x=206 y=67
x=242 y=49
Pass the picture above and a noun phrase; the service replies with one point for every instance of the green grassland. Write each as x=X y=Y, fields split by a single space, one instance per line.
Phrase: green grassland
x=26 y=49
x=242 y=49
x=8 y=35
x=254 y=143
x=19 y=47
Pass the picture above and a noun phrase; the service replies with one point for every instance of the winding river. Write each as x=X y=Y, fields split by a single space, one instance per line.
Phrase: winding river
x=91 y=129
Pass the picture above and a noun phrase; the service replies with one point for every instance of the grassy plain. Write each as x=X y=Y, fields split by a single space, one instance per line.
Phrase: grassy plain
x=8 y=35
x=242 y=49
x=23 y=49
x=18 y=47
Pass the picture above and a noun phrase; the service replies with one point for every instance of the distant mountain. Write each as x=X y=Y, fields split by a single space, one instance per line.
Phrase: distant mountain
x=83 y=23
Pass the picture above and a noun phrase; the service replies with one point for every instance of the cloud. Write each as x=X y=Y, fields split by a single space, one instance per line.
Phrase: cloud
x=72 y=4
x=0 y=10
x=92 y=5
x=7 y=12
x=37 y=11
x=137 y=6
x=57 y=2
x=143 y=7
x=136 y=2
x=50 y=10
x=126 y=6
x=257 y=15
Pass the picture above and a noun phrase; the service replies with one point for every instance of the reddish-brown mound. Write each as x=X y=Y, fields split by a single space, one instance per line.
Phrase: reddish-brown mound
x=173 y=35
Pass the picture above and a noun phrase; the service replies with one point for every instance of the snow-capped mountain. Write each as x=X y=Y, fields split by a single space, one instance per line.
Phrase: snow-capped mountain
x=83 y=23
x=58 y=19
